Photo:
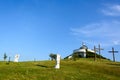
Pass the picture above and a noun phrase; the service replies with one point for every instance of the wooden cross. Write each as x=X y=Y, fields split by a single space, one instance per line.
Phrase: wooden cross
x=113 y=51
x=83 y=43
x=99 y=50
x=95 y=50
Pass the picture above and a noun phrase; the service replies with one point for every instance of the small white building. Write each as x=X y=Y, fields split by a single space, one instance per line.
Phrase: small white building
x=82 y=51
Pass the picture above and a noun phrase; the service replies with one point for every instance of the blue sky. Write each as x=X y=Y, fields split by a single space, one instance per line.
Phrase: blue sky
x=36 y=28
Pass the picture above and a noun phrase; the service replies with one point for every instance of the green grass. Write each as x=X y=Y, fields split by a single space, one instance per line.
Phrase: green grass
x=82 y=69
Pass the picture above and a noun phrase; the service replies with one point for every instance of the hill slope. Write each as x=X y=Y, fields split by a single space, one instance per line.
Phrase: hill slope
x=88 y=55
x=82 y=69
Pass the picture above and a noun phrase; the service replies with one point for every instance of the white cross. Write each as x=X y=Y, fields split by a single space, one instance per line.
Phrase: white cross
x=16 y=57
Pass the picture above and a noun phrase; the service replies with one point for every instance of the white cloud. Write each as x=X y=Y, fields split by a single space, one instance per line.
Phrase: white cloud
x=116 y=42
x=107 y=33
x=111 y=10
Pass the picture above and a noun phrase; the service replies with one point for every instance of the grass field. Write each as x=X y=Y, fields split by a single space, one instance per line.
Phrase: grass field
x=82 y=69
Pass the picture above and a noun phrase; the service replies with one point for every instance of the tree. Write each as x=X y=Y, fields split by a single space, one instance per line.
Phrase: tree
x=5 y=57
x=52 y=56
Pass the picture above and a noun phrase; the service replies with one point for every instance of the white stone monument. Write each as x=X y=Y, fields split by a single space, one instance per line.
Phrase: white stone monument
x=57 y=66
x=16 y=57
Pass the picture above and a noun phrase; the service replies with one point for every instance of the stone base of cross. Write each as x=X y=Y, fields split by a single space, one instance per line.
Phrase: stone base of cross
x=57 y=66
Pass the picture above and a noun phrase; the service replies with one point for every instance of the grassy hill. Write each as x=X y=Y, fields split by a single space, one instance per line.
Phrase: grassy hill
x=82 y=69
x=88 y=55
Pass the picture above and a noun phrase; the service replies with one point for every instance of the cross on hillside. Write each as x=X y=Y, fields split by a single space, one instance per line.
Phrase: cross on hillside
x=83 y=43
x=99 y=50
x=113 y=51
x=95 y=50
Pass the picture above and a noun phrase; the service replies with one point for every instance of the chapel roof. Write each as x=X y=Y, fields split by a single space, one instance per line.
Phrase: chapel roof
x=83 y=47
